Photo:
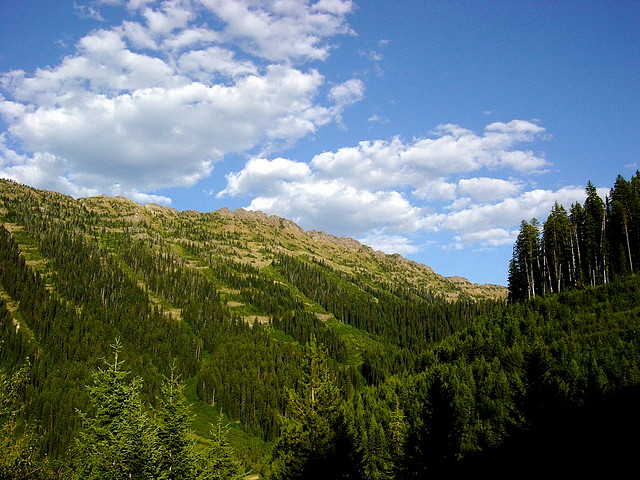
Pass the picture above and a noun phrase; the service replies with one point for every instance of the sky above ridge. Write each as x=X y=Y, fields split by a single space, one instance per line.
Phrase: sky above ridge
x=426 y=128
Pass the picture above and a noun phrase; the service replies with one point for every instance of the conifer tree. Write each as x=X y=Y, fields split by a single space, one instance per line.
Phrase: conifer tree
x=311 y=444
x=621 y=229
x=556 y=241
x=594 y=236
x=176 y=447
x=397 y=436
x=119 y=440
x=524 y=269
x=216 y=461
x=18 y=457
x=517 y=281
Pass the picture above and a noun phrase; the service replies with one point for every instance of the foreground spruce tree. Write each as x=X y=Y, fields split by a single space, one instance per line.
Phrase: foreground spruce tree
x=176 y=446
x=313 y=443
x=119 y=440
x=216 y=462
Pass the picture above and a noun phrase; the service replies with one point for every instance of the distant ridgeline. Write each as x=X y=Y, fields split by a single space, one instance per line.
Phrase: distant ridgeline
x=142 y=342
x=591 y=244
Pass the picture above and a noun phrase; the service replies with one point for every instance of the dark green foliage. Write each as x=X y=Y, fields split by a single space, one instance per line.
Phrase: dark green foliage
x=246 y=379
x=549 y=357
x=19 y=459
x=302 y=325
x=119 y=439
x=557 y=249
x=129 y=288
x=408 y=319
x=525 y=269
x=591 y=245
x=313 y=443
x=175 y=445
x=216 y=461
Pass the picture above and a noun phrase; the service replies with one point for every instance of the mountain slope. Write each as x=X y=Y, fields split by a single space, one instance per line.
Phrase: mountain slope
x=252 y=237
x=228 y=295
x=426 y=373
x=248 y=238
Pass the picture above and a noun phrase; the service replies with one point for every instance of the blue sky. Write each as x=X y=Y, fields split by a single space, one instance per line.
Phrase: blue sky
x=428 y=128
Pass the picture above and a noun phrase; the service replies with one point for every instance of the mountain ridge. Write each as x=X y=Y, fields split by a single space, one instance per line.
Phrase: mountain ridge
x=292 y=239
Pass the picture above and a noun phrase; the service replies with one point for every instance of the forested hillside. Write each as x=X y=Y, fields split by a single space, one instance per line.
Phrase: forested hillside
x=143 y=342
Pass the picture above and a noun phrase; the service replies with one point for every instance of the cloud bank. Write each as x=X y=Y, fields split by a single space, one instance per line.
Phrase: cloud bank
x=387 y=191
x=155 y=101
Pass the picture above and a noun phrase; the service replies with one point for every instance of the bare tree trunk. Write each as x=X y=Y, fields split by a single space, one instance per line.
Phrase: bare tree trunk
x=577 y=251
x=572 y=270
x=626 y=232
x=602 y=247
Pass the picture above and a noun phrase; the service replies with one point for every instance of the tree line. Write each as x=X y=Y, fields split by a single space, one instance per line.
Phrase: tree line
x=590 y=244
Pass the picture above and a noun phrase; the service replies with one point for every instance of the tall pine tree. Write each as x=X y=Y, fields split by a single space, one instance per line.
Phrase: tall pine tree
x=556 y=243
x=595 y=248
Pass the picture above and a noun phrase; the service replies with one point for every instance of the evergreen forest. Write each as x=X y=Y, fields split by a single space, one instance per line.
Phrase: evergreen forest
x=146 y=343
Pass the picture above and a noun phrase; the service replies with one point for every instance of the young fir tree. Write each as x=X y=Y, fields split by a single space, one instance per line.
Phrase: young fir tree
x=312 y=444
x=397 y=437
x=216 y=461
x=175 y=443
x=119 y=440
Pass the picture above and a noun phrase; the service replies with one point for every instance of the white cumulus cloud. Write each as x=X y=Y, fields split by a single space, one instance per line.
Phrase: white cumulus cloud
x=386 y=191
x=488 y=189
x=389 y=243
x=155 y=101
x=281 y=31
